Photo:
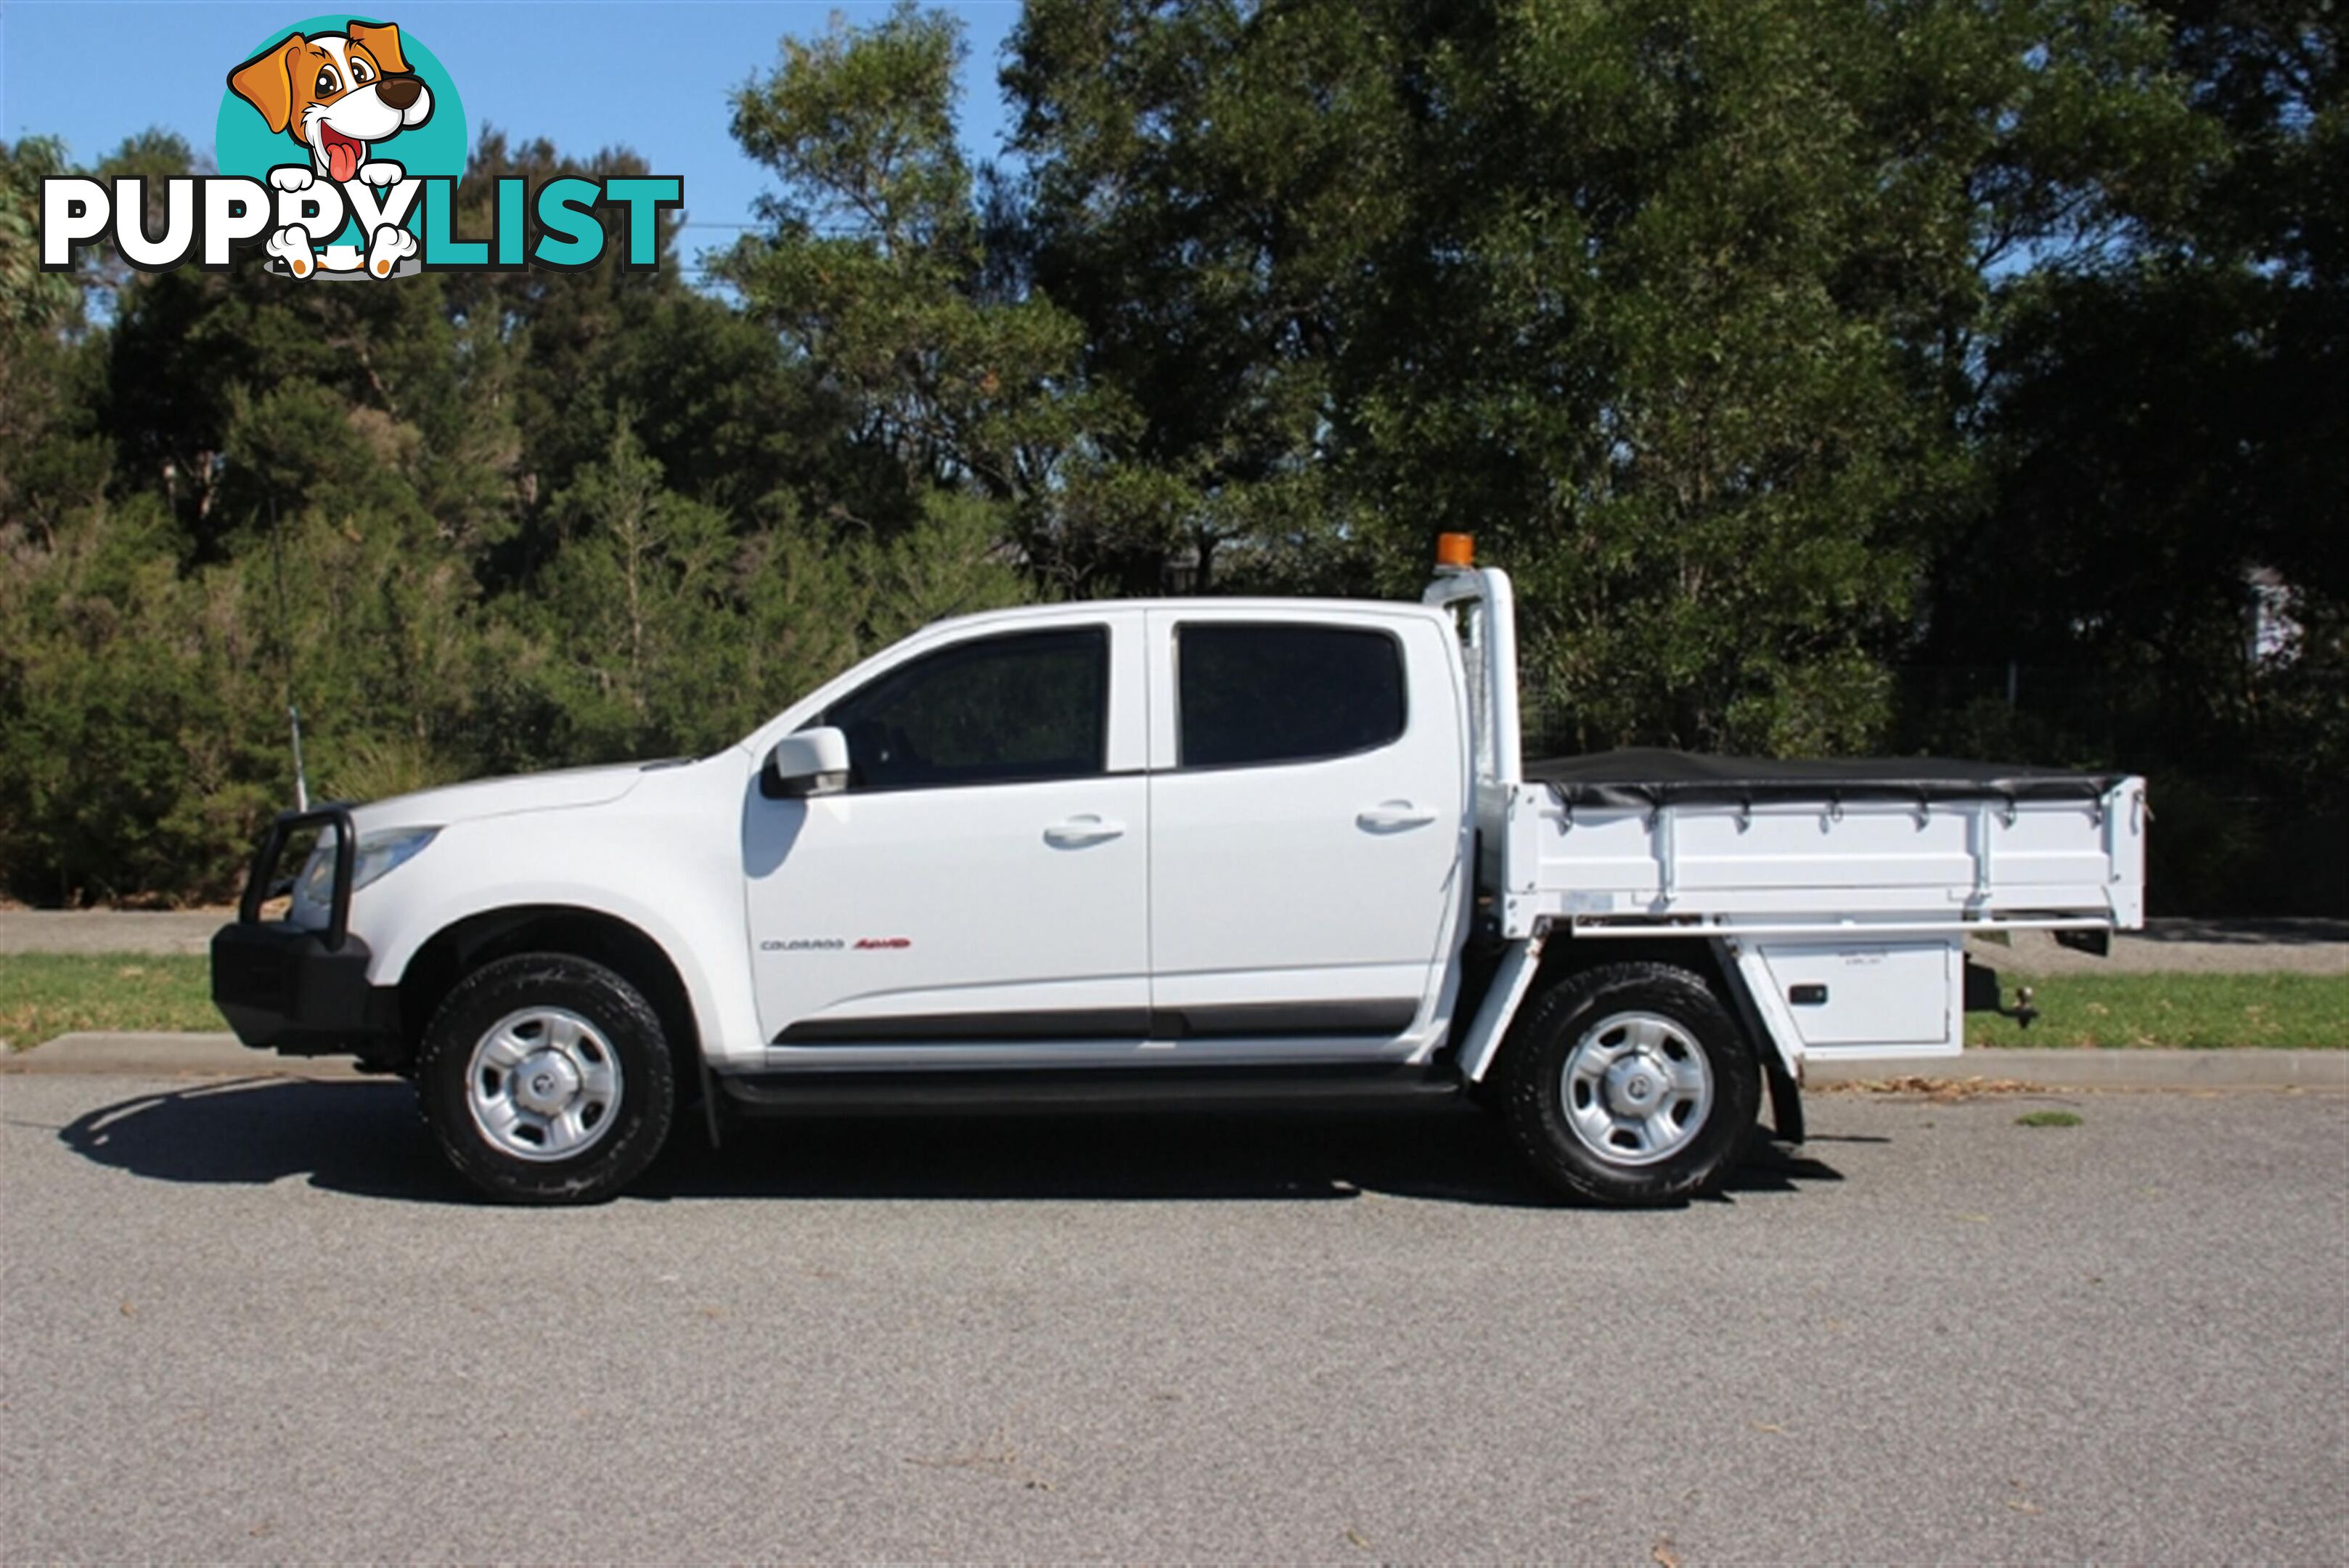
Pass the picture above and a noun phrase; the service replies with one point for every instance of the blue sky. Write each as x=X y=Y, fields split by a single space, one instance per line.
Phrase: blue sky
x=649 y=75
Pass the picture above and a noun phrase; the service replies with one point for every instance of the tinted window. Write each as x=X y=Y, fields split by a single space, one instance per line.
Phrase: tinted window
x=1285 y=694
x=1033 y=706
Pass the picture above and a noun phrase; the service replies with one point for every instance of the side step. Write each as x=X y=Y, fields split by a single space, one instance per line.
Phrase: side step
x=998 y=1090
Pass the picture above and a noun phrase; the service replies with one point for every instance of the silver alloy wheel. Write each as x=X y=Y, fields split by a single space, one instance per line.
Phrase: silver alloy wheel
x=1636 y=1088
x=544 y=1084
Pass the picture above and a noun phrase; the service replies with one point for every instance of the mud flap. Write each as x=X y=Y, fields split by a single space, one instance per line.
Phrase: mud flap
x=709 y=1099
x=1743 y=967
x=1786 y=1100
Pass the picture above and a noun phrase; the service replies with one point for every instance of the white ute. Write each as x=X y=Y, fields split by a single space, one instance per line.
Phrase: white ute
x=1202 y=850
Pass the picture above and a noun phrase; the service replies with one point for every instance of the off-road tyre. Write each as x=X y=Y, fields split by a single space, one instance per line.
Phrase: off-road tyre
x=622 y=1043
x=1602 y=1149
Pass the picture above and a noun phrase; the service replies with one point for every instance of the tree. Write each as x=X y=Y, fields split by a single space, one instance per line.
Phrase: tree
x=1804 y=362
x=50 y=457
x=1211 y=188
x=876 y=271
x=1678 y=305
x=2168 y=443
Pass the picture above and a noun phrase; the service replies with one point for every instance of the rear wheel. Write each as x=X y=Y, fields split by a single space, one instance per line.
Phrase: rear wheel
x=1630 y=1084
x=547 y=1079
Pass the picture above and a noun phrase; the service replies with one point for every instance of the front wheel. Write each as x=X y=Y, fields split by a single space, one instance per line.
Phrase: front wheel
x=1630 y=1084
x=547 y=1079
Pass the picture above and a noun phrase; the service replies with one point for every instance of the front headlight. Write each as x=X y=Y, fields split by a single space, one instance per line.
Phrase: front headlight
x=376 y=854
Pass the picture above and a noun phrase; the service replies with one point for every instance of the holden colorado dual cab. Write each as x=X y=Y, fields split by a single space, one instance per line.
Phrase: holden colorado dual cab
x=1202 y=850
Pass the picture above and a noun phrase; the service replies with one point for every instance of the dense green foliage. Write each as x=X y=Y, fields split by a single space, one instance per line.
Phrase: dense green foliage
x=1833 y=377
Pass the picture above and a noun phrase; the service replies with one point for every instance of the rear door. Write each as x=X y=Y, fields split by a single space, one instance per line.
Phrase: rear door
x=1307 y=800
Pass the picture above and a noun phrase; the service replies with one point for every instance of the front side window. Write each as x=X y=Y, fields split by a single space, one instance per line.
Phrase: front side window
x=1034 y=705
x=1259 y=694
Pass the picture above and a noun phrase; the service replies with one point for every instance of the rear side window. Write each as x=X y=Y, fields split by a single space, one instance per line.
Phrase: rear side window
x=1254 y=694
x=1030 y=706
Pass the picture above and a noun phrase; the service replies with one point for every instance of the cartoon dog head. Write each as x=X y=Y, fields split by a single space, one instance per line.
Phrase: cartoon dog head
x=336 y=93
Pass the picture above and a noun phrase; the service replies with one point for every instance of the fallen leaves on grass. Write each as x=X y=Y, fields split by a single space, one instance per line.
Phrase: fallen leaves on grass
x=1935 y=1090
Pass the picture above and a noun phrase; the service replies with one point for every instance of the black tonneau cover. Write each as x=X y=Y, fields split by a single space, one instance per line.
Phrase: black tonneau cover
x=1651 y=777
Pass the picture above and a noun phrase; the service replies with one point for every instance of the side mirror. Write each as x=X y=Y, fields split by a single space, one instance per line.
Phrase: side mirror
x=813 y=761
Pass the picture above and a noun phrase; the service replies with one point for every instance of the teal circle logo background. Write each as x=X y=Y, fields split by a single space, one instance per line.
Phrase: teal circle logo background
x=243 y=144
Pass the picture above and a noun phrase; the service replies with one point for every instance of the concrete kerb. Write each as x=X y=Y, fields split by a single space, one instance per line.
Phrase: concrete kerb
x=219 y=1056
x=169 y=1056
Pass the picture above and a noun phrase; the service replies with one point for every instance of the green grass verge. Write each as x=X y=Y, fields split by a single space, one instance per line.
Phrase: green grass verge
x=2198 y=1012
x=43 y=995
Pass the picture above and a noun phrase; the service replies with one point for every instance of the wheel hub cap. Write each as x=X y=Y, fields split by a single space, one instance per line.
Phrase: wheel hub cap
x=544 y=1084
x=1635 y=1083
x=1636 y=1088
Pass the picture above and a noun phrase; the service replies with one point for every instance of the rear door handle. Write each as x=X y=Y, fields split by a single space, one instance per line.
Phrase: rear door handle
x=1080 y=831
x=1392 y=816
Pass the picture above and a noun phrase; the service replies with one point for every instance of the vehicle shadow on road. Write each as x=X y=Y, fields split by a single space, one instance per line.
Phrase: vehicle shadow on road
x=364 y=1139
x=1297 y=1155
x=1451 y=1154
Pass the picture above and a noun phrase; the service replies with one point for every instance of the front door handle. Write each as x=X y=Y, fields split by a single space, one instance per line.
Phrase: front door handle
x=1392 y=816
x=1080 y=831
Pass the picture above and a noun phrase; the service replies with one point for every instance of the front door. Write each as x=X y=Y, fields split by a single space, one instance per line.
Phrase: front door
x=983 y=880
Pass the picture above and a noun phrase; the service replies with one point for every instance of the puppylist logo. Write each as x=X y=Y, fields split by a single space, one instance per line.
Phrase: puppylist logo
x=338 y=95
x=341 y=142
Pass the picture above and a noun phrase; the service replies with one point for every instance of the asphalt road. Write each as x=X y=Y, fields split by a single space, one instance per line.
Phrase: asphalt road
x=255 y=1322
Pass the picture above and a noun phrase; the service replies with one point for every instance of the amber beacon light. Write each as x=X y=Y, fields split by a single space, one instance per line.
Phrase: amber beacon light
x=1456 y=551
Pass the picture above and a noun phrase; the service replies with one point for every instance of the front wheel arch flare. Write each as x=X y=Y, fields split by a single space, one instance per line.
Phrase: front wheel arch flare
x=458 y=950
